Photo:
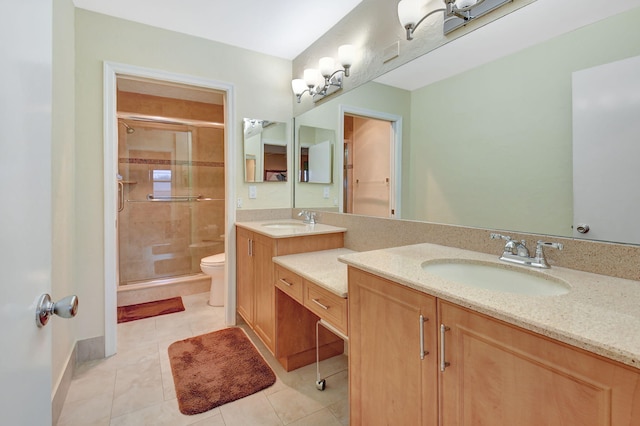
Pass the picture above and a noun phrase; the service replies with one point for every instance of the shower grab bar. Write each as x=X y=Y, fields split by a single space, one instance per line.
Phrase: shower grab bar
x=120 y=196
x=152 y=197
x=180 y=199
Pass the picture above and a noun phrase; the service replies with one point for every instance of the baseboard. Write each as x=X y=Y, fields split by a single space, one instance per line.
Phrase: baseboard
x=84 y=350
x=60 y=394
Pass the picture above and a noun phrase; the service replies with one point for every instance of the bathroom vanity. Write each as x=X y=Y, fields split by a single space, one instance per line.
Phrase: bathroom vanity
x=257 y=244
x=425 y=350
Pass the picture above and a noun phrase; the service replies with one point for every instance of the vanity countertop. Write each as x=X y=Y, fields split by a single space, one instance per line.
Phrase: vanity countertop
x=278 y=228
x=600 y=314
x=319 y=267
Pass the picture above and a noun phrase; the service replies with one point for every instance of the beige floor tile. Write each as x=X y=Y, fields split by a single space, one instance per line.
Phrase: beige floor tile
x=319 y=418
x=291 y=405
x=164 y=414
x=92 y=384
x=253 y=410
x=137 y=387
x=94 y=411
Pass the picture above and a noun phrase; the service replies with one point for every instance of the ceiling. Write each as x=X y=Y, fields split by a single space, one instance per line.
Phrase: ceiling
x=264 y=26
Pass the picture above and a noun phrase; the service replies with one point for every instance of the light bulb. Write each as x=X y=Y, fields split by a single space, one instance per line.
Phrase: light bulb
x=461 y=4
x=327 y=66
x=311 y=77
x=409 y=12
x=346 y=55
x=299 y=86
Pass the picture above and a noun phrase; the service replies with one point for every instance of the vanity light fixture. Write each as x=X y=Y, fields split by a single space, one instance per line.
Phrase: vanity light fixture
x=456 y=13
x=325 y=80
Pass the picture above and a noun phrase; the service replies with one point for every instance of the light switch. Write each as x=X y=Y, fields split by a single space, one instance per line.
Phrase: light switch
x=253 y=192
x=326 y=192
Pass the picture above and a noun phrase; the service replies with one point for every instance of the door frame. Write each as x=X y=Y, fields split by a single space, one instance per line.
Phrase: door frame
x=396 y=152
x=110 y=132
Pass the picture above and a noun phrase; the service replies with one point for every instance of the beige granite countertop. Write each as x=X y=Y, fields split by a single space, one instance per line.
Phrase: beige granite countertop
x=280 y=228
x=600 y=314
x=319 y=267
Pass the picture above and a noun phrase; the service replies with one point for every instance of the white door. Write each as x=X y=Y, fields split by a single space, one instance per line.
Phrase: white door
x=25 y=210
x=606 y=151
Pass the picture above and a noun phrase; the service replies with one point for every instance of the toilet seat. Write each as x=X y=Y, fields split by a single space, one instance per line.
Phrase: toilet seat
x=214 y=260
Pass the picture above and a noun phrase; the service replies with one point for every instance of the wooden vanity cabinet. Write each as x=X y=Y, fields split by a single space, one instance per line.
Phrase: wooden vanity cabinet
x=494 y=374
x=254 y=283
x=499 y=374
x=390 y=381
x=255 y=276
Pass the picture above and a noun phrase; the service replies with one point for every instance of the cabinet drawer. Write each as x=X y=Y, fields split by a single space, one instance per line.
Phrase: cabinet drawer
x=289 y=282
x=326 y=305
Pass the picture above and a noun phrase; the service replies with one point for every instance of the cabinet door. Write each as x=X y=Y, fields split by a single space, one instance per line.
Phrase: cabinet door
x=264 y=289
x=389 y=382
x=244 y=276
x=503 y=375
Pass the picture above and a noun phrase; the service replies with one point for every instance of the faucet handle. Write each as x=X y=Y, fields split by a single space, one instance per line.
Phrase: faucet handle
x=541 y=244
x=495 y=236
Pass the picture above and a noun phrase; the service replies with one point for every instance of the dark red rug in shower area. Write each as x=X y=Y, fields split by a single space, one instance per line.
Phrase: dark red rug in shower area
x=149 y=309
x=216 y=368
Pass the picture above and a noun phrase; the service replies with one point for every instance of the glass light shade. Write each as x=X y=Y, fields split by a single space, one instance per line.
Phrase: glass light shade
x=311 y=77
x=327 y=66
x=409 y=12
x=460 y=4
x=299 y=86
x=346 y=55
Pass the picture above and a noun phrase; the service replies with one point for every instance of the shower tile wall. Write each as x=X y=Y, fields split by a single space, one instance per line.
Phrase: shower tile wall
x=166 y=239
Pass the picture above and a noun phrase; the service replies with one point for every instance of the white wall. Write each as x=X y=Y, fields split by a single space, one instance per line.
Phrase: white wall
x=262 y=89
x=63 y=183
x=493 y=146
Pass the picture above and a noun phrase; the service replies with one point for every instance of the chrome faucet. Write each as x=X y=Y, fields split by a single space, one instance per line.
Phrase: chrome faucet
x=517 y=252
x=309 y=217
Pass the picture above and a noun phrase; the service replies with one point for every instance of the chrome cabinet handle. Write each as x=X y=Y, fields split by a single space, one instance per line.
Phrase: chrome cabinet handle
x=423 y=352
x=283 y=281
x=443 y=364
x=317 y=302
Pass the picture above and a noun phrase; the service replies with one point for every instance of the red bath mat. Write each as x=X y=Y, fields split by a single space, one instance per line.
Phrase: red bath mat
x=149 y=309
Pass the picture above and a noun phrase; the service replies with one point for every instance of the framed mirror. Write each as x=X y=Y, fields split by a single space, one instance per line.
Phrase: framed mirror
x=265 y=151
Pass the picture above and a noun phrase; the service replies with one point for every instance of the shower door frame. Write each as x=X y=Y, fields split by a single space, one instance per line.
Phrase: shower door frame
x=111 y=71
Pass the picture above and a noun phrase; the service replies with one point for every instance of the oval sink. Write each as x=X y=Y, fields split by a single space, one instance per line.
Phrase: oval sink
x=284 y=225
x=500 y=278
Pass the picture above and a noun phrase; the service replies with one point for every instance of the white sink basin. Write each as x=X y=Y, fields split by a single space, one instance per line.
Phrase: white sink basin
x=284 y=225
x=494 y=277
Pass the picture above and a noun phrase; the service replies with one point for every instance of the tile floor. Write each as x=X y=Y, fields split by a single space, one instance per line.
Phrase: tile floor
x=135 y=386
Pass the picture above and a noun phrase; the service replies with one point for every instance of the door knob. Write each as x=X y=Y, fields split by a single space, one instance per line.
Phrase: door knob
x=583 y=228
x=65 y=308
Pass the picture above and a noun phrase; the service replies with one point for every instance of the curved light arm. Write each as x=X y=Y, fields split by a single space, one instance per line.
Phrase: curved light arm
x=411 y=28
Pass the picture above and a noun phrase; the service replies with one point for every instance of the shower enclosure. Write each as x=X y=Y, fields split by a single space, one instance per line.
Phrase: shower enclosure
x=171 y=198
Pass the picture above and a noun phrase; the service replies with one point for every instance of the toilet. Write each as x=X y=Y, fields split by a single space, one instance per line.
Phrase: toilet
x=214 y=267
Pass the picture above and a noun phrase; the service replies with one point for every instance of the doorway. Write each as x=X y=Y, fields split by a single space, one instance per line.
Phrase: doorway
x=370 y=162
x=180 y=127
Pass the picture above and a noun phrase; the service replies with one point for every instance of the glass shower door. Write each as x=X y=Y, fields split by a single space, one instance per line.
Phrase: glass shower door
x=168 y=222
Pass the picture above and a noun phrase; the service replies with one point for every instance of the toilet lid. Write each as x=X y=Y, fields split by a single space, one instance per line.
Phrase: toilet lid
x=216 y=259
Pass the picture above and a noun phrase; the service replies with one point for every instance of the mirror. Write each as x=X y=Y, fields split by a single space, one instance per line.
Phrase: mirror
x=490 y=147
x=315 y=151
x=265 y=151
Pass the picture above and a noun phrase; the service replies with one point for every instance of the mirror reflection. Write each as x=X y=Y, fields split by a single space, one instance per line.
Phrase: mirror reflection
x=265 y=151
x=315 y=152
x=491 y=147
